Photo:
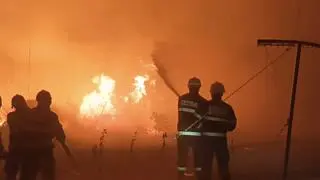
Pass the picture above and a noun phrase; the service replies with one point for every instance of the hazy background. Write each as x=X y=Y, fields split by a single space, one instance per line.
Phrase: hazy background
x=72 y=41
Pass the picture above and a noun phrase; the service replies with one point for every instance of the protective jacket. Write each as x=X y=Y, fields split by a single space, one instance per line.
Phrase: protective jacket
x=187 y=105
x=218 y=120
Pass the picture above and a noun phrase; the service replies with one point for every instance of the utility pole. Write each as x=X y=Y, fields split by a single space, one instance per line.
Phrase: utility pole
x=299 y=45
x=29 y=68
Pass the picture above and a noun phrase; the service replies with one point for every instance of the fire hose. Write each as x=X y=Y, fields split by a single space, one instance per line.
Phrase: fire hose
x=161 y=72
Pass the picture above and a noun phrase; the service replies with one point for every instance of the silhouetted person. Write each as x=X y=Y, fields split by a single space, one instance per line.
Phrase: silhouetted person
x=219 y=120
x=187 y=105
x=2 y=150
x=16 y=121
x=45 y=128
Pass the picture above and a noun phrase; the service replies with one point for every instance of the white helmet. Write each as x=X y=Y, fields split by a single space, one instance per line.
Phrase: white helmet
x=217 y=87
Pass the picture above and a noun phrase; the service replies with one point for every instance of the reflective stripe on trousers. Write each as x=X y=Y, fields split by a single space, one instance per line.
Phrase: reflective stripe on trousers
x=188 y=133
x=185 y=168
x=181 y=168
x=213 y=134
x=189 y=110
x=198 y=169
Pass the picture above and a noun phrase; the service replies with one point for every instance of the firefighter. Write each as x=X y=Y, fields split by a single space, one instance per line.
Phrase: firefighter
x=2 y=150
x=16 y=122
x=187 y=105
x=45 y=128
x=219 y=118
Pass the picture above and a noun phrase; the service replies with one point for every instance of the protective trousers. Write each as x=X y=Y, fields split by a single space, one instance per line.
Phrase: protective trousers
x=12 y=164
x=184 y=143
x=38 y=161
x=215 y=146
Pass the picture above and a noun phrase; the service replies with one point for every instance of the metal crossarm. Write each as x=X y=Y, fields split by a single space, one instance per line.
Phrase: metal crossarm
x=288 y=43
x=299 y=45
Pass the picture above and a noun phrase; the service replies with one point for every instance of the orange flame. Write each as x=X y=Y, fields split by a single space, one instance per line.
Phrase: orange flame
x=140 y=88
x=104 y=101
x=99 y=101
x=2 y=117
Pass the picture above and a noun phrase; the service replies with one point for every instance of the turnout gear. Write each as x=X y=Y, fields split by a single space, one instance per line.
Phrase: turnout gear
x=45 y=127
x=219 y=119
x=187 y=105
x=17 y=122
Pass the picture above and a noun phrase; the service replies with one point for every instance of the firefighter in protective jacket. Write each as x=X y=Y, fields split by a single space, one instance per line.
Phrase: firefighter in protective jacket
x=219 y=118
x=187 y=105
x=16 y=121
x=46 y=127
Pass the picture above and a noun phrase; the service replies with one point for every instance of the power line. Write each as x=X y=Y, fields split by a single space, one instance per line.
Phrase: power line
x=245 y=83
x=270 y=63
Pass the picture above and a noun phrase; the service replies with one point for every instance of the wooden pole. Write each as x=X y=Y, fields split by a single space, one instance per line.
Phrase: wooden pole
x=291 y=113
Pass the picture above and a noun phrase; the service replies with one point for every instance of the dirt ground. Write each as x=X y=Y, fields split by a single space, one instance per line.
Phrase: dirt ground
x=148 y=161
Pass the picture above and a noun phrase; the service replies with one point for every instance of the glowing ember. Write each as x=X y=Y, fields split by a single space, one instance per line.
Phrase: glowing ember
x=125 y=99
x=140 y=88
x=2 y=117
x=153 y=83
x=99 y=102
x=154 y=132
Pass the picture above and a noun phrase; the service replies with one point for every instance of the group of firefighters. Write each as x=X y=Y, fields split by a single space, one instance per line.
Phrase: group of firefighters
x=203 y=126
x=32 y=131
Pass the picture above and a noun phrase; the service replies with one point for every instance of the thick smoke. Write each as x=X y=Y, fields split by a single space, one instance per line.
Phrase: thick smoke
x=71 y=42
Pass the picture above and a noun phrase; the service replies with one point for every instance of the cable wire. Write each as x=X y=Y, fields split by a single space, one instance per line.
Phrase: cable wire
x=258 y=73
x=244 y=84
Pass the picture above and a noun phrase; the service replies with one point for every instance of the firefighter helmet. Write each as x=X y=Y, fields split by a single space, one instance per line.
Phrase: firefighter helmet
x=43 y=96
x=18 y=101
x=217 y=87
x=194 y=82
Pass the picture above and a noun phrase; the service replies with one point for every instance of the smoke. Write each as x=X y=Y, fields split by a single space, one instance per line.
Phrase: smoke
x=71 y=42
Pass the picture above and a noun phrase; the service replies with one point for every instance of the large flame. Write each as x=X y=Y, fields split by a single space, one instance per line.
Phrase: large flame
x=99 y=102
x=140 y=88
x=104 y=101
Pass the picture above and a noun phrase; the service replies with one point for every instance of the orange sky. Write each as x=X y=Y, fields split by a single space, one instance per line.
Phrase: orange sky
x=72 y=41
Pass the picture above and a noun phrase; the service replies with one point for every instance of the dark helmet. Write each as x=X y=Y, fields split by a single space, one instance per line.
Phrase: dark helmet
x=217 y=87
x=18 y=101
x=194 y=82
x=43 y=97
